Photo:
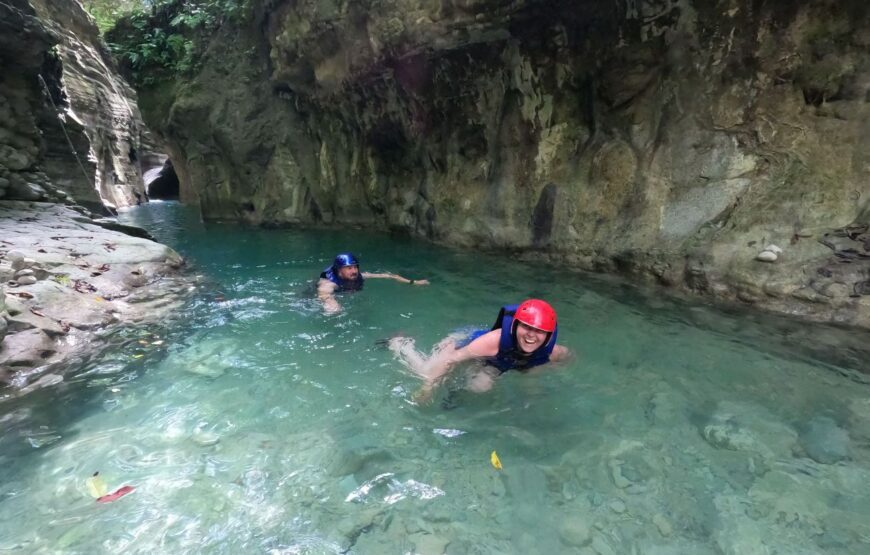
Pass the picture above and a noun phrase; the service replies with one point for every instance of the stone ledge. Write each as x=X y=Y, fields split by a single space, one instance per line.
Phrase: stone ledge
x=89 y=278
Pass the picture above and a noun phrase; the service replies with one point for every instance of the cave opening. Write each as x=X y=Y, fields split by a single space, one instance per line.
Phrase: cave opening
x=162 y=182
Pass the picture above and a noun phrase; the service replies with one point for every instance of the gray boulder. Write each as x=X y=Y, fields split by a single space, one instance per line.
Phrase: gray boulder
x=14 y=159
x=25 y=191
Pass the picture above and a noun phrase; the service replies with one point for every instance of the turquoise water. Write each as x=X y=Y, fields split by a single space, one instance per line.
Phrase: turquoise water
x=260 y=425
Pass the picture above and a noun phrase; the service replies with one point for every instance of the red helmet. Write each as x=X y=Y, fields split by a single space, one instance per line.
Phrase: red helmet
x=537 y=314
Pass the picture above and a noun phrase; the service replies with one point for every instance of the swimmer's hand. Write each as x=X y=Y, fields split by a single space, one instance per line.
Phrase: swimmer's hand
x=423 y=396
x=331 y=306
x=420 y=282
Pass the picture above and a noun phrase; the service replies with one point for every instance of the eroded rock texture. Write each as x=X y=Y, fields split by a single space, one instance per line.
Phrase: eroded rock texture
x=671 y=140
x=66 y=279
x=67 y=120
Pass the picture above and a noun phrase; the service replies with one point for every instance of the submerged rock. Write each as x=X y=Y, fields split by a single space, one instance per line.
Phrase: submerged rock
x=85 y=263
x=859 y=419
x=433 y=544
x=766 y=256
x=663 y=524
x=617 y=506
x=824 y=441
x=748 y=427
x=204 y=369
x=575 y=531
x=205 y=439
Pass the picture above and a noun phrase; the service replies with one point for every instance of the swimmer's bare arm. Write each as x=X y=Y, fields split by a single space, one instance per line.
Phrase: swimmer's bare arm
x=396 y=277
x=326 y=294
x=441 y=364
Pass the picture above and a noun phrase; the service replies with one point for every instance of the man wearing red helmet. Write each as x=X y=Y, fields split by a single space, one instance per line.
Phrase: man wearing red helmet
x=522 y=337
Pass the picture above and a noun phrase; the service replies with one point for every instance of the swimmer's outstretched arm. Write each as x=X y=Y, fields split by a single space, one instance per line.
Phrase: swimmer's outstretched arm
x=396 y=277
x=441 y=363
x=326 y=294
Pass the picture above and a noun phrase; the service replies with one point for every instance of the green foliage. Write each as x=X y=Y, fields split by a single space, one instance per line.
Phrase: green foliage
x=108 y=12
x=168 y=39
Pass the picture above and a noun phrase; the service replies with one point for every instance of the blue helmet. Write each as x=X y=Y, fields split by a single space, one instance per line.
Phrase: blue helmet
x=345 y=259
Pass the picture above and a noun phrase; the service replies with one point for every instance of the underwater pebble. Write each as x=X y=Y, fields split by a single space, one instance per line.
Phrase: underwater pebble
x=601 y=546
x=429 y=543
x=26 y=280
x=574 y=530
x=663 y=524
x=205 y=439
x=766 y=256
x=617 y=507
x=619 y=480
x=824 y=441
x=773 y=248
x=204 y=370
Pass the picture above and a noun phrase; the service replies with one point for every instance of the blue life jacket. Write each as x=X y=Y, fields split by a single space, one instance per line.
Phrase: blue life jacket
x=510 y=356
x=331 y=274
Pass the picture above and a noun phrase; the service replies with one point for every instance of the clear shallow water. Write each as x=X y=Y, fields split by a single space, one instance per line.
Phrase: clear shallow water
x=661 y=437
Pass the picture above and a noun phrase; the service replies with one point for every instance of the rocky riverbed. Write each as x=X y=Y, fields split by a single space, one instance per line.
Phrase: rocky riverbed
x=66 y=279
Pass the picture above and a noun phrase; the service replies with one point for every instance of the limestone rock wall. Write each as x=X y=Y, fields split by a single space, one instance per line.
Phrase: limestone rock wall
x=69 y=126
x=673 y=140
x=24 y=52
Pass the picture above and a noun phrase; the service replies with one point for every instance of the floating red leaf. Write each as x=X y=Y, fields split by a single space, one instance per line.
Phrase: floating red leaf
x=115 y=495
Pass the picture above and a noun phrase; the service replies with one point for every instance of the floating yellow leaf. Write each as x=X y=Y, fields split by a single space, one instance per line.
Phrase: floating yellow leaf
x=98 y=298
x=143 y=342
x=96 y=486
x=157 y=342
x=138 y=356
x=496 y=463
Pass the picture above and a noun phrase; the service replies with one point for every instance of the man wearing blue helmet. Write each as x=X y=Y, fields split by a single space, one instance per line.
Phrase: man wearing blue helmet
x=344 y=275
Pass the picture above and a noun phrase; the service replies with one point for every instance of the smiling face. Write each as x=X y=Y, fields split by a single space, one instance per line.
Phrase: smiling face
x=530 y=339
x=349 y=273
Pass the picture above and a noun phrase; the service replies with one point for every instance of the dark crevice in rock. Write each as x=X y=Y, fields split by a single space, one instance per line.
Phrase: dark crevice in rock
x=542 y=218
x=163 y=183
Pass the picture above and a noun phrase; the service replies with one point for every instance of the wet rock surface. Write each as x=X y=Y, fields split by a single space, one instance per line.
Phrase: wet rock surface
x=65 y=277
x=70 y=129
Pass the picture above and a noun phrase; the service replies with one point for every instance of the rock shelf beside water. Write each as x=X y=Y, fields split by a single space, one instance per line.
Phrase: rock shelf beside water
x=65 y=277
